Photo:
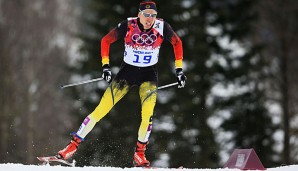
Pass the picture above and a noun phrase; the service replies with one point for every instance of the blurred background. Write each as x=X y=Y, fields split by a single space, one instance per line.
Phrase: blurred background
x=239 y=57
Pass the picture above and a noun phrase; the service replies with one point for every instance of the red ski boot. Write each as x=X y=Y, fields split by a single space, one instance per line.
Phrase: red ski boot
x=139 y=156
x=70 y=149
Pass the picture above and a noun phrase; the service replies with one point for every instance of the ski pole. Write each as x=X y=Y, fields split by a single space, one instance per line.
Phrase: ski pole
x=81 y=82
x=159 y=88
x=168 y=85
x=162 y=87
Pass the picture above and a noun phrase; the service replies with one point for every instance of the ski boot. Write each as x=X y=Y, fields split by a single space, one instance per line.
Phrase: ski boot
x=71 y=148
x=139 y=159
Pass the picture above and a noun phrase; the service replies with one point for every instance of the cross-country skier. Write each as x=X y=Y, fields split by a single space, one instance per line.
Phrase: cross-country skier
x=143 y=36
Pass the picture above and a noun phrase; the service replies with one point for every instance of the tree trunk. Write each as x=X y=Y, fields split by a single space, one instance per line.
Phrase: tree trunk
x=285 y=100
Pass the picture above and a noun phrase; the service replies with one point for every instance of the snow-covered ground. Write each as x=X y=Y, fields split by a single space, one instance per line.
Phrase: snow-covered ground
x=21 y=167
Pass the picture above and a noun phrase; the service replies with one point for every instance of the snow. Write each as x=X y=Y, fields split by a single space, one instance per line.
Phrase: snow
x=21 y=167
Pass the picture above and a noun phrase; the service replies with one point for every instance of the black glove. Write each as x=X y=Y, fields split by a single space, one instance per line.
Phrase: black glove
x=181 y=78
x=106 y=73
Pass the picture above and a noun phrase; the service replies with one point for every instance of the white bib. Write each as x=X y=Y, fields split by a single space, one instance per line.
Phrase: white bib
x=142 y=57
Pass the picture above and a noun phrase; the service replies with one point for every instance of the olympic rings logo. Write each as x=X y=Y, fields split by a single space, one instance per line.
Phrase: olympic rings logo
x=144 y=38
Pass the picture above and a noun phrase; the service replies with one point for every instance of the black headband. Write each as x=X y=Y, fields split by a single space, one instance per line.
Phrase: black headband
x=147 y=5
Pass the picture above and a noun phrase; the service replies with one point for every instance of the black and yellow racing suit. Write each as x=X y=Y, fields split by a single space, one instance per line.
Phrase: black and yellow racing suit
x=138 y=69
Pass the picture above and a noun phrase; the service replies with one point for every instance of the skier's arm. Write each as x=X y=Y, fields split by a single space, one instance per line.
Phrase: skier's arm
x=114 y=35
x=174 y=39
x=171 y=36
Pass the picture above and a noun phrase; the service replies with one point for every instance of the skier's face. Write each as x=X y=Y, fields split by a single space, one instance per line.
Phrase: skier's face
x=147 y=17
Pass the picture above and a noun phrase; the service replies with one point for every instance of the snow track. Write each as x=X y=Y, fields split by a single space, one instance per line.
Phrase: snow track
x=21 y=167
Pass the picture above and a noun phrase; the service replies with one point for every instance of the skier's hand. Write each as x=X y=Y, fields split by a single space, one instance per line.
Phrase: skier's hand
x=106 y=73
x=181 y=78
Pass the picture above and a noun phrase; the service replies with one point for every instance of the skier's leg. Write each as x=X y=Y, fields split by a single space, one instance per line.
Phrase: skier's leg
x=111 y=96
x=148 y=101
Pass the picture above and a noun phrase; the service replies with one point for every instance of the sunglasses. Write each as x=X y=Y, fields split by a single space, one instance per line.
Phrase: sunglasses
x=148 y=14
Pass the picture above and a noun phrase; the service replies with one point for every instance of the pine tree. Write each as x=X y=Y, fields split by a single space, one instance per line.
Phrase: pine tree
x=249 y=121
x=191 y=143
x=275 y=29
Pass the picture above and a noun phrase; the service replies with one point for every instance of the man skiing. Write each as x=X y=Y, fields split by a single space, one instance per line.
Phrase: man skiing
x=143 y=36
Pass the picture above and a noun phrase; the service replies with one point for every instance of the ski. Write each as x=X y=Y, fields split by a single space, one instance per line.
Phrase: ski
x=49 y=159
x=154 y=167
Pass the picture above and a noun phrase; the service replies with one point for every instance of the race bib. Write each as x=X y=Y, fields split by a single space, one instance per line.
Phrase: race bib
x=140 y=58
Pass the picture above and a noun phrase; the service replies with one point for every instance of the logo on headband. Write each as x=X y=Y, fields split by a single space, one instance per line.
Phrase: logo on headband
x=147 y=6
